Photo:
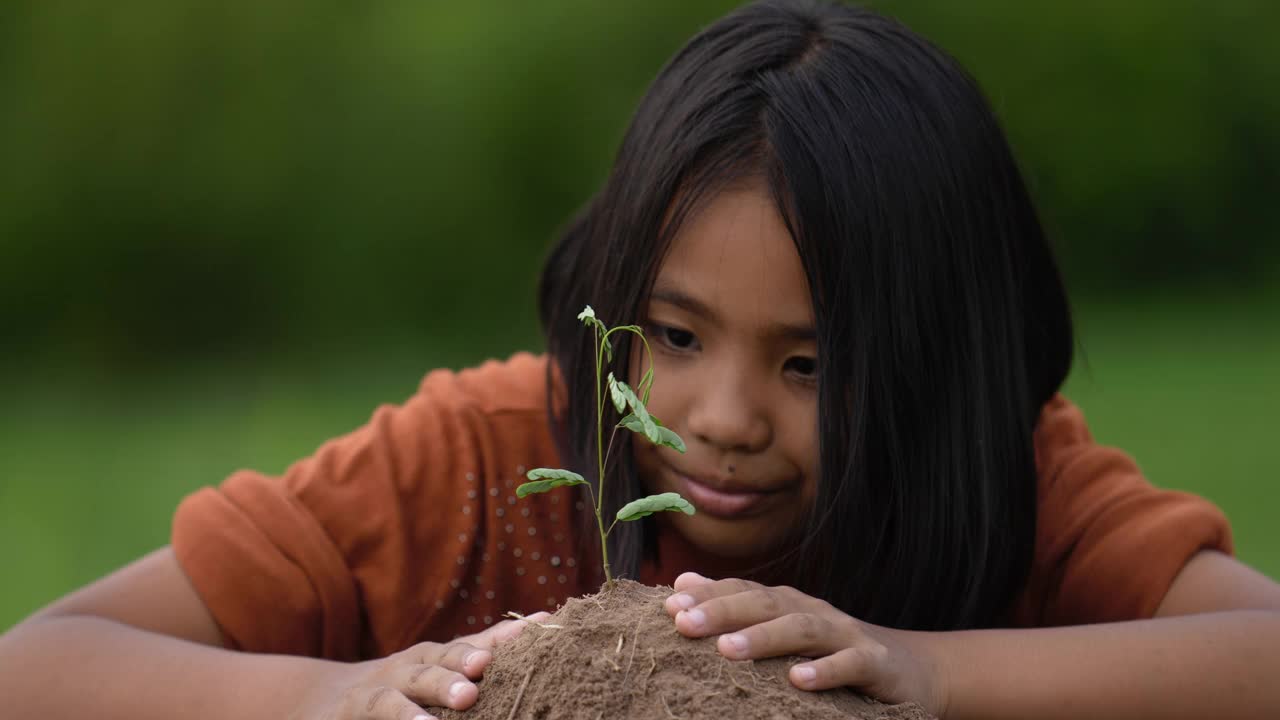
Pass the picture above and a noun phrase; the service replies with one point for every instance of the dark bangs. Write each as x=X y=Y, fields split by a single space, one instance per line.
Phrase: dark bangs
x=942 y=321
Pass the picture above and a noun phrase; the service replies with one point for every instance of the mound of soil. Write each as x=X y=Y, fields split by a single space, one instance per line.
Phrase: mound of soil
x=617 y=654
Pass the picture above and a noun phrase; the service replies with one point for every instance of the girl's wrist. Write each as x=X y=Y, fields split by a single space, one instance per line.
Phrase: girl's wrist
x=925 y=658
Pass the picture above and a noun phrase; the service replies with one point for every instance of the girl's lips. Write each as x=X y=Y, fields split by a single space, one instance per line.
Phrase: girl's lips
x=719 y=503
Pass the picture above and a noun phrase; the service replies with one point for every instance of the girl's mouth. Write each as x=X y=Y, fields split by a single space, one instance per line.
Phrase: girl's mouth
x=722 y=502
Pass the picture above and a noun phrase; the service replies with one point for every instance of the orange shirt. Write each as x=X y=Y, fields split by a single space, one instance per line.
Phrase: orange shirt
x=408 y=529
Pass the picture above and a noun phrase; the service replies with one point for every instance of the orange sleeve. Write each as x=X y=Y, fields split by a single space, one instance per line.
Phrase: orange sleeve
x=1108 y=543
x=353 y=550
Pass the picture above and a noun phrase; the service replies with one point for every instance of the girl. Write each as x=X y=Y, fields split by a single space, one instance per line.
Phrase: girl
x=861 y=335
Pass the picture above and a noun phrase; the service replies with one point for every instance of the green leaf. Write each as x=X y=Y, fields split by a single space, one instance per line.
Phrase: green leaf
x=646 y=383
x=670 y=439
x=629 y=397
x=632 y=423
x=547 y=479
x=666 y=436
x=615 y=393
x=647 y=506
x=651 y=429
x=588 y=318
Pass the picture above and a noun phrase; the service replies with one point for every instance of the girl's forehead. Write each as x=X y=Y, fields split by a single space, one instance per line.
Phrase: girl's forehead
x=735 y=255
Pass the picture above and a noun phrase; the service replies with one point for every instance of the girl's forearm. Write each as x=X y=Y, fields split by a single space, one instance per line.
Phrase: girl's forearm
x=76 y=666
x=1221 y=664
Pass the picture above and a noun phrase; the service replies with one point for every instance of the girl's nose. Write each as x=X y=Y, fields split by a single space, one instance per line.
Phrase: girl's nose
x=727 y=415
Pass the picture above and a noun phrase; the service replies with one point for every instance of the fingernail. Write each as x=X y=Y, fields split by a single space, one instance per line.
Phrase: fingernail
x=683 y=601
x=737 y=643
x=456 y=689
x=472 y=658
x=804 y=673
x=694 y=618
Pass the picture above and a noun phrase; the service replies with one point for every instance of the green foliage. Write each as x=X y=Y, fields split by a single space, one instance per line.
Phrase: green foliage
x=639 y=421
x=647 y=506
x=227 y=177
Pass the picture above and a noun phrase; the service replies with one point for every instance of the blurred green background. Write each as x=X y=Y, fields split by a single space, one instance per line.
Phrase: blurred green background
x=228 y=230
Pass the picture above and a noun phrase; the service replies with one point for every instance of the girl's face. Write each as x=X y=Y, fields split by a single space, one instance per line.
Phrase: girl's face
x=735 y=363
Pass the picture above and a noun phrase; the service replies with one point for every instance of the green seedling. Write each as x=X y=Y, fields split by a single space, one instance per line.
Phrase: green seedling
x=639 y=421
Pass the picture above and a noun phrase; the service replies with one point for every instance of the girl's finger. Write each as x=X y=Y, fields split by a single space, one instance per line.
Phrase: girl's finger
x=690 y=579
x=798 y=633
x=436 y=685
x=692 y=593
x=504 y=631
x=744 y=609
x=865 y=666
x=459 y=656
x=385 y=703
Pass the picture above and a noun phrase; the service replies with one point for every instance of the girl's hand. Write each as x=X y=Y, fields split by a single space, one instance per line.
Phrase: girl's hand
x=399 y=686
x=755 y=621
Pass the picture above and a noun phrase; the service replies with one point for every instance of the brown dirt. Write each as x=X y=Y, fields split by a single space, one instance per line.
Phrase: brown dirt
x=617 y=654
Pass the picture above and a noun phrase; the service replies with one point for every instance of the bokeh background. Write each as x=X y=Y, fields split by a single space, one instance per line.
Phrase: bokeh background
x=229 y=230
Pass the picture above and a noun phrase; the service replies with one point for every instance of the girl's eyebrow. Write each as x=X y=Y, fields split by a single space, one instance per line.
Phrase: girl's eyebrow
x=685 y=302
x=797 y=333
x=690 y=304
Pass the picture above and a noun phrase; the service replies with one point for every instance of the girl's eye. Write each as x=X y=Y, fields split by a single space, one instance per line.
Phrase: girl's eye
x=675 y=338
x=804 y=367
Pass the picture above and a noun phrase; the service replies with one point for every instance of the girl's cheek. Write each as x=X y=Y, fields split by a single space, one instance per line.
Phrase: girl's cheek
x=802 y=421
x=671 y=377
x=680 y=392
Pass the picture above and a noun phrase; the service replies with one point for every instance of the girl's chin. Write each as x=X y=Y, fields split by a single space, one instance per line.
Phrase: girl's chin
x=736 y=541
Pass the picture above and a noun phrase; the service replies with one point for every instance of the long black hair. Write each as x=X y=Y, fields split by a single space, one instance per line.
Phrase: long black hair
x=942 y=321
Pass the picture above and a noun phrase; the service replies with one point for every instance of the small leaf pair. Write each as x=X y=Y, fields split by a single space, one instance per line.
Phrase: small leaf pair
x=544 y=479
